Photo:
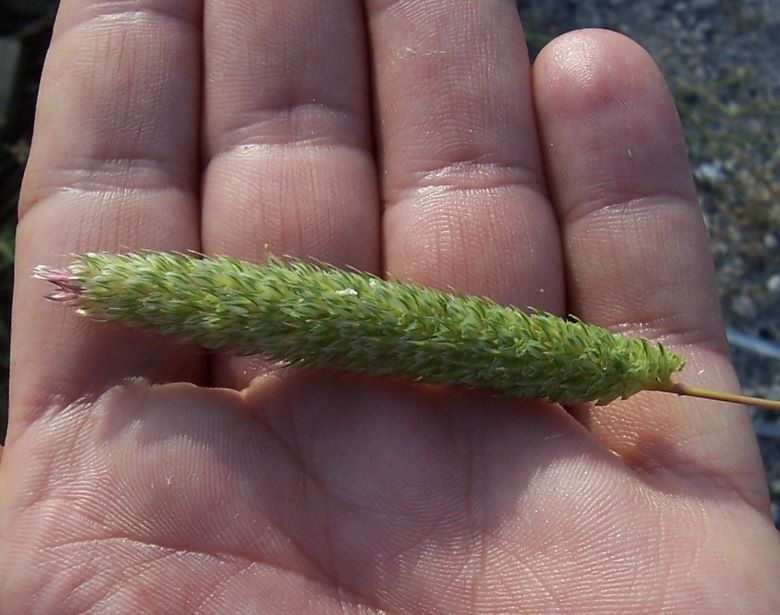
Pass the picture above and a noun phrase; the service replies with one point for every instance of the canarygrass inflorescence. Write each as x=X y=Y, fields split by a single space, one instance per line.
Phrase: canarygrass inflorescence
x=317 y=315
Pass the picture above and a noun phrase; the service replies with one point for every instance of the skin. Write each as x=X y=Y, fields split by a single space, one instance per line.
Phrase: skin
x=143 y=476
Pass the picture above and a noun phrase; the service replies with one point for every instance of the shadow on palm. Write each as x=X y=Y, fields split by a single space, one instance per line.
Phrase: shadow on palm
x=357 y=484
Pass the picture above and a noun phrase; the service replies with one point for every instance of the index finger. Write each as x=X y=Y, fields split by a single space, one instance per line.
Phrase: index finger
x=113 y=166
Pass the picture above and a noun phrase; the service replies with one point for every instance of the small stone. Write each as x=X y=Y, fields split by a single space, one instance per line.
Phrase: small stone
x=771 y=241
x=710 y=172
x=734 y=267
x=744 y=306
x=773 y=284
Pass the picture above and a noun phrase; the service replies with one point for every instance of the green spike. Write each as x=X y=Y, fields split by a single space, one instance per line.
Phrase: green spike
x=317 y=315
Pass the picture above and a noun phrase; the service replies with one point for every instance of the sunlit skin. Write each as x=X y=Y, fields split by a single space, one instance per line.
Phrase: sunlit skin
x=142 y=476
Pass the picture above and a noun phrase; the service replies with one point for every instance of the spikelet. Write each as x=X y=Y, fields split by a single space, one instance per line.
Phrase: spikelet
x=310 y=315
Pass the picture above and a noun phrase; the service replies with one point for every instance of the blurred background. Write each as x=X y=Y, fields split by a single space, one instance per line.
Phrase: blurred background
x=721 y=59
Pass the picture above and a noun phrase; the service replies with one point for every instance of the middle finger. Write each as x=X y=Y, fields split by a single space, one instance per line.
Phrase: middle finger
x=464 y=187
x=288 y=141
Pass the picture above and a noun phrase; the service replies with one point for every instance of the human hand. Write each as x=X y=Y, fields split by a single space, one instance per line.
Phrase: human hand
x=143 y=476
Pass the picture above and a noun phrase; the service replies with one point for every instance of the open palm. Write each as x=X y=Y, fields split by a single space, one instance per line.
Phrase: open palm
x=408 y=137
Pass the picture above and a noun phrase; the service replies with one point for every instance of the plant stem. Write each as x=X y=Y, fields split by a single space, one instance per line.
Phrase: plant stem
x=682 y=389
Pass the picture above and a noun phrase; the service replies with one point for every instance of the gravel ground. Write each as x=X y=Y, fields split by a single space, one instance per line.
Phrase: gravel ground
x=720 y=59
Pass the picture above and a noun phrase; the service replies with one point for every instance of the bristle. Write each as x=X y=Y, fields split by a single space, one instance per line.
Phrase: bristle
x=67 y=290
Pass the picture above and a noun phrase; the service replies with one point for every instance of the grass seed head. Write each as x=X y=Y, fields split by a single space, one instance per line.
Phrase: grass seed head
x=311 y=315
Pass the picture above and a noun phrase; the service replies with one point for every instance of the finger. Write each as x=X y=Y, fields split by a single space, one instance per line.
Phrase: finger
x=462 y=174
x=637 y=251
x=112 y=167
x=290 y=163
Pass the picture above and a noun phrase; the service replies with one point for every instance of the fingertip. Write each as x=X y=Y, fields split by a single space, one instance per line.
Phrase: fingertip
x=582 y=67
x=609 y=128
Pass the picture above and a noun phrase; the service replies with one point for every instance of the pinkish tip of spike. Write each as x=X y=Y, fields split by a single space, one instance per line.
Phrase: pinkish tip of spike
x=67 y=288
